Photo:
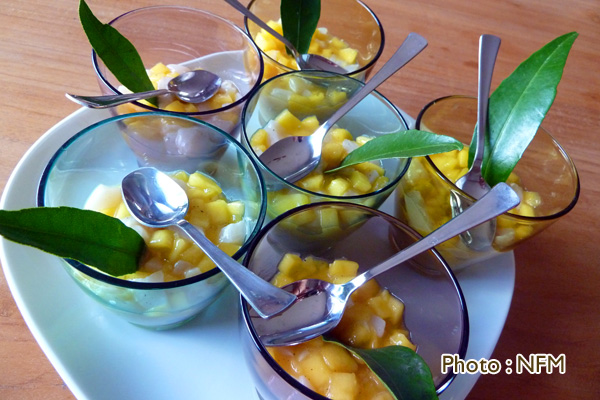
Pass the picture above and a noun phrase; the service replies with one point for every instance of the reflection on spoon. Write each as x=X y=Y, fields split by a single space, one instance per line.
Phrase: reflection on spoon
x=156 y=200
x=193 y=87
x=321 y=304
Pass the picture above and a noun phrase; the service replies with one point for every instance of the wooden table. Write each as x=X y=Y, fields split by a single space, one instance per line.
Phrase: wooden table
x=556 y=303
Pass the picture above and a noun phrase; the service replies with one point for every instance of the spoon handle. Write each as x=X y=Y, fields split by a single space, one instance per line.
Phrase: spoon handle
x=412 y=45
x=497 y=201
x=113 y=99
x=488 y=50
x=265 y=298
x=240 y=7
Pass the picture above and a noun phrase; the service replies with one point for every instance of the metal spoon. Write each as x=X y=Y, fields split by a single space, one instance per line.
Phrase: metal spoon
x=193 y=87
x=320 y=304
x=304 y=61
x=294 y=157
x=156 y=200
x=472 y=182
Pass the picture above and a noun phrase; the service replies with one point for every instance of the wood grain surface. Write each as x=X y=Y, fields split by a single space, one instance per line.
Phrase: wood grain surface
x=556 y=303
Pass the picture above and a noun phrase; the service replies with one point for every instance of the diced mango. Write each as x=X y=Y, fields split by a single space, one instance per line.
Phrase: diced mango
x=161 y=240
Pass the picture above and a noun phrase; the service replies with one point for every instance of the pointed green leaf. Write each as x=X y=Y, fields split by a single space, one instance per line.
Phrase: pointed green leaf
x=116 y=51
x=86 y=236
x=410 y=143
x=401 y=369
x=520 y=103
x=299 y=19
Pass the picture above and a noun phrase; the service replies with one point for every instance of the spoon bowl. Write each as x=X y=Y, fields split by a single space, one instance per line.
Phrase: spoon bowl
x=319 y=306
x=294 y=157
x=193 y=87
x=156 y=200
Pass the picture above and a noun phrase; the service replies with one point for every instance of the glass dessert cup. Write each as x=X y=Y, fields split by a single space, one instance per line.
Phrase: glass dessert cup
x=101 y=155
x=545 y=178
x=286 y=96
x=358 y=26
x=196 y=39
x=435 y=313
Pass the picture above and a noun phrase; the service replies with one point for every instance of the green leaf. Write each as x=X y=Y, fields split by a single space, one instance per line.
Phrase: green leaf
x=401 y=369
x=410 y=143
x=86 y=236
x=299 y=19
x=118 y=54
x=519 y=104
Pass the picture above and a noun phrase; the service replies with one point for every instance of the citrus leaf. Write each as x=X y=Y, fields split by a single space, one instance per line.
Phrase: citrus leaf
x=401 y=369
x=410 y=143
x=86 y=236
x=519 y=104
x=299 y=19
x=116 y=51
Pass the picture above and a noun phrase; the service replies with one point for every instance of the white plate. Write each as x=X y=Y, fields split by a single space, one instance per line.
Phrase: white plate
x=100 y=356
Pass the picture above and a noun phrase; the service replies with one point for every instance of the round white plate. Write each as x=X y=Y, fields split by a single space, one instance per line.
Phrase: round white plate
x=100 y=356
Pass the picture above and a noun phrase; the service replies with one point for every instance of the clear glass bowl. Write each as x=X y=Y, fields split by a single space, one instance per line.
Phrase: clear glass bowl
x=423 y=200
x=357 y=25
x=435 y=311
x=175 y=35
x=101 y=155
x=374 y=116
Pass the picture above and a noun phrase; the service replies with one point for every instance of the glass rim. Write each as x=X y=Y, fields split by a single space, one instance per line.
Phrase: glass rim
x=238 y=102
x=508 y=214
x=362 y=69
x=113 y=280
x=323 y=74
x=262 y=349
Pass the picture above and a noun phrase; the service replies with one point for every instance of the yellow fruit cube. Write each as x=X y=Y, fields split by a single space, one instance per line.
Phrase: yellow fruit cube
x=525 y=210
x=220 y=100
x=315 y=370
x=288 y=122
x=533 y=199
x=332 y=154
x=236 y=210
x=161 y=240
x=342 y=385
x=192 y=254
x=337 y=43
x=336 y=97
x=329 y=218
x=312 y=182
x=348 y=55
x=339 y=135
x=283 y=202
x=310 y=124
x=344 y=268
x=398 y=338
x=260 y=138
x=159 y=69
x=181 y=175
x=180 y=246
x=291 y=265
x=338 y=187
x=360 y=182
x=218 y=212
